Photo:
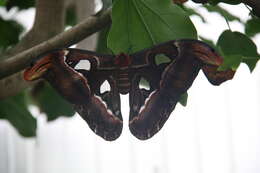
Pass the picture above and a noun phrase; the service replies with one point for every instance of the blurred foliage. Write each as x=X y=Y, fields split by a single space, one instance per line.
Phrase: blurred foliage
x=20 y=4
x=15 y=110
x=2 y=2
x=71 y=17
x=50 y=102
x=137 y=24
x=10 y=31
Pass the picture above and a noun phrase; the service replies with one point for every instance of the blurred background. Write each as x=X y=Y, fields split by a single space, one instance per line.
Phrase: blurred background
x=217 y=132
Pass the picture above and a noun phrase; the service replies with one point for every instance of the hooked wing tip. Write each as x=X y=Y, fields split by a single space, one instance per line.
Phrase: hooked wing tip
x=41 y=64
x=103 y=122
x=37 y=69
x=217 y=77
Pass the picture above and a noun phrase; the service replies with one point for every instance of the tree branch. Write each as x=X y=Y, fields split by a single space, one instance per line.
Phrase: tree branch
x=84 y=8
x=65 y=39
x=49 y=21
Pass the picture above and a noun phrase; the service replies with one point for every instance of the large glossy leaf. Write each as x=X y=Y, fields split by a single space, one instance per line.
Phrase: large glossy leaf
x=9 y=33
x=102 y=41
x=138 y=24
x=236 y=47
x=252 y=27
x=236 y=43
x=51 y=103
x=15 y=110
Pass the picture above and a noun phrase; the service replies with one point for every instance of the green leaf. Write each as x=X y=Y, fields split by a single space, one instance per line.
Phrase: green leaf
x=51 y=103
x=251 y=63
x=138 y=24
x=236 y=44
x=21 y=4
x=15 y=110
x=183 y=99
x=9 y=33
x=252 y=27
x=232 y=2
x=102 y=41
x=231 y=62
x=222 y=11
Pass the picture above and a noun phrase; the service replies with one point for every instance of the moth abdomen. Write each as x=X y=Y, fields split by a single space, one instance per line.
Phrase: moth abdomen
x=123 y=82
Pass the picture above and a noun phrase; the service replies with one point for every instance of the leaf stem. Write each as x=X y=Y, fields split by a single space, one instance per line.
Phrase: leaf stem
x=225 y=17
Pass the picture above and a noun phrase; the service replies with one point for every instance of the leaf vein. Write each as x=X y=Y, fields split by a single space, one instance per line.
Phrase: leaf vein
x=144 y=23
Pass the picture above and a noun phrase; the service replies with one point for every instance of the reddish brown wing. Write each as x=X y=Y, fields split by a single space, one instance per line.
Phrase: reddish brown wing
x=102 y=112
x=149 y=109
x=216 y=77
x=73 y=73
